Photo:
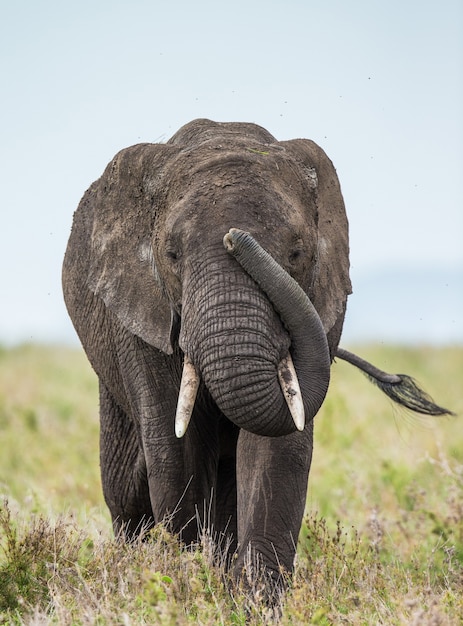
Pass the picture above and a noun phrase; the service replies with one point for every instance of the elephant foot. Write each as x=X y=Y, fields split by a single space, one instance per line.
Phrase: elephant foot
x=263 y=586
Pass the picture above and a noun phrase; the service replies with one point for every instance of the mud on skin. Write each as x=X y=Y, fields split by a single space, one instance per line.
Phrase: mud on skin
x=150 y=287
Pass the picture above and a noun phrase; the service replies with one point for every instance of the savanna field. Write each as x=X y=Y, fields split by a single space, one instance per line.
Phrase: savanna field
x=382 y=541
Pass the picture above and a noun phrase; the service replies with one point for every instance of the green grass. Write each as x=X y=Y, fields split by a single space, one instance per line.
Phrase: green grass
x=382 y=541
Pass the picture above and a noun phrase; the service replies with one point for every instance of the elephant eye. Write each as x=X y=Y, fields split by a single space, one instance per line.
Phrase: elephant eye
x=297 y=252
x=172 y=248
x=296 y=255
x=173 y=255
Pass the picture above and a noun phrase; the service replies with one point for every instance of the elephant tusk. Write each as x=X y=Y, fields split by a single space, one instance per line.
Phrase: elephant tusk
x=291 y=391
x=186 y=397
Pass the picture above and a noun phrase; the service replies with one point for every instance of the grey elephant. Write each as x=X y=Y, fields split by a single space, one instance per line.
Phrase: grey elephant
x=207 y=279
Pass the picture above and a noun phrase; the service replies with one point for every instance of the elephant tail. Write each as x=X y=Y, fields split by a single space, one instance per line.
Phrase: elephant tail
x=399 y=387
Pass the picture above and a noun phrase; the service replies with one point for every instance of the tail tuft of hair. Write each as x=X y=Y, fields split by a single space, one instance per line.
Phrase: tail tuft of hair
x=400 y=388
x=407 y=393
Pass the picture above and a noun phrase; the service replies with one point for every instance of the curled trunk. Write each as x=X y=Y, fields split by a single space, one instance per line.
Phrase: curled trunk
x=233 y=334
x=309 y=346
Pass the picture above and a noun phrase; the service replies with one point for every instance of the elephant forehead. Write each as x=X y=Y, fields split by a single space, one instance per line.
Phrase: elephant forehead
x=244 y=163
x=237 y=185
x=262 y=211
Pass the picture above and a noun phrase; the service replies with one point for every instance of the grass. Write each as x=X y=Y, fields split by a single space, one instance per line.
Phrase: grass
x=381 y=543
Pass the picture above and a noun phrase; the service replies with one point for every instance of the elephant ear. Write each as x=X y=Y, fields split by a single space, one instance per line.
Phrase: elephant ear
x=331 y=284
x=121 y=265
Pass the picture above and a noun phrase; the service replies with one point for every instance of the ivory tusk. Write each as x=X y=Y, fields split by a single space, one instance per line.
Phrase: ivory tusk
x=186 y=397
x=291 y=390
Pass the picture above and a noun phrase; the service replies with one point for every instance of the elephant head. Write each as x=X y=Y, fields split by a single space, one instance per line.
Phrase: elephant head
x=157 y=260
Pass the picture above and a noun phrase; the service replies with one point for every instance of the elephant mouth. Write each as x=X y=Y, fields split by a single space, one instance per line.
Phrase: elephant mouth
x=189 y=386
x=309 y=361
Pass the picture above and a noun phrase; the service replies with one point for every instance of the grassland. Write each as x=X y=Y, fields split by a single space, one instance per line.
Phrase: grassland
x=382 y=541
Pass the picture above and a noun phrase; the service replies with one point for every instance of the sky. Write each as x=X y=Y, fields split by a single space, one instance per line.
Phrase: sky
x=378 y=85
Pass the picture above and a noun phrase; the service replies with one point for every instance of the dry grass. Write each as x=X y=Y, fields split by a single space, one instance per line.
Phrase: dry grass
x=382 y=542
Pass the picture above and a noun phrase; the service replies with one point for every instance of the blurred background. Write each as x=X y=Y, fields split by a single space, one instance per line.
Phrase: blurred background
x=378 y=85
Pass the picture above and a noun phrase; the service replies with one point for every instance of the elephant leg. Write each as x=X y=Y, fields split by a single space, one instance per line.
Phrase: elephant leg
x=272 y=475
x=179 y=475
x=208 y=470
x=182 y=472
x=226 y=525
x=193 y=480
x=182 y=475
x=123 y=470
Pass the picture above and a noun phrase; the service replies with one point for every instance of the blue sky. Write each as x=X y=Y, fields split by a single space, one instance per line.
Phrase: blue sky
x=378 y=85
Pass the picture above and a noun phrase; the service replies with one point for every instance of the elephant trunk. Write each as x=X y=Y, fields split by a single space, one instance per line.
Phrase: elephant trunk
x=309 y=346
x=234 y=336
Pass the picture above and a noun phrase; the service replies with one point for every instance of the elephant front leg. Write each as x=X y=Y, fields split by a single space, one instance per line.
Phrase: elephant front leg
x=123 y=470
x=272 y=475
x=225 y=528
x=183 y=473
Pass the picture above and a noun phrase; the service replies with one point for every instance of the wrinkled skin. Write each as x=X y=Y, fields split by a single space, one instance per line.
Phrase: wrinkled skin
x=147 y=279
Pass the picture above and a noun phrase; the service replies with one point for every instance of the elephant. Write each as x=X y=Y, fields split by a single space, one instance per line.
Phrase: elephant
x=207 y=279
